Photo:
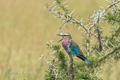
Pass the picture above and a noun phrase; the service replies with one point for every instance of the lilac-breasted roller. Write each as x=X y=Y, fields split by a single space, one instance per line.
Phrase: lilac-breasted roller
x=69 y=45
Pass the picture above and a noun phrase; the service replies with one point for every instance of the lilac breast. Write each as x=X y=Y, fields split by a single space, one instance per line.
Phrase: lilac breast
x=65 y=45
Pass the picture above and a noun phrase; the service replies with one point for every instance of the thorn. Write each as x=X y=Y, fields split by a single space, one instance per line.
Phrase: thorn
x=72 y=12
x=64 y=2
x=66 y=6
x=54 y=7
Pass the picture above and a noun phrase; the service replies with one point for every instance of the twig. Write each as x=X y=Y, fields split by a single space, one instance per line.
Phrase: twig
x=113 y=35
x=106 y=56
x=108 y=7
x=60 y=28
x=99 y=37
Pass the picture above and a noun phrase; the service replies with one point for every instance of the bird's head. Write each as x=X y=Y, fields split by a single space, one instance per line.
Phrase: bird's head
x=64 y=35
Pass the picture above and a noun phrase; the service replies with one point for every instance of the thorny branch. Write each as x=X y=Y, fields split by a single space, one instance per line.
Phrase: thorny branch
x=89 y=30
x=107 y=55
x=66 y=17
x=113 y=35
x=53 y=68
x=97 y=23
x=104 y=11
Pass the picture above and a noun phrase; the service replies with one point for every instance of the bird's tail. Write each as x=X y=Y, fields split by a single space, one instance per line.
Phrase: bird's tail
x=84 y=59
x=88 y=61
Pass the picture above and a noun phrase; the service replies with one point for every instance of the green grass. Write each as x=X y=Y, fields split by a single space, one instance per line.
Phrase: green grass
x=25 y=27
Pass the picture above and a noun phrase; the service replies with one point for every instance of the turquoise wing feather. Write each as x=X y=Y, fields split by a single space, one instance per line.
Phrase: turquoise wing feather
x=76 y=51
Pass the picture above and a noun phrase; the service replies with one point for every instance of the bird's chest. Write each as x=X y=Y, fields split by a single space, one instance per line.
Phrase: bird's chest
x=65 y=44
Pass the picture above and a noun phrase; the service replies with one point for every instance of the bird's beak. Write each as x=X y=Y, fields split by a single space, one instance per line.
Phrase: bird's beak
x=60 y=35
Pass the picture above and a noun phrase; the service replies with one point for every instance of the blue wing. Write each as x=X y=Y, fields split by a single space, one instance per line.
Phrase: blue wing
x=76 y=51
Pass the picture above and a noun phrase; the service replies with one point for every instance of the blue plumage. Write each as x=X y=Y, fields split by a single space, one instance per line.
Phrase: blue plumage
x=69 y=44
x=75 y=48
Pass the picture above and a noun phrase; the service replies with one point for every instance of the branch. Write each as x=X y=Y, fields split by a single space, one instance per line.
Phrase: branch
x=65 y=16
x=71 y=70
x=99 y=38
x=70 y=17
x=60 y=28
x=97 y=23
x=114 y=33
x=108 y=7
x=106 y=56
x=105 y=10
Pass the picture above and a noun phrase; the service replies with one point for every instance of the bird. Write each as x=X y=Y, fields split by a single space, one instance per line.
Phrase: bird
x=71 y=46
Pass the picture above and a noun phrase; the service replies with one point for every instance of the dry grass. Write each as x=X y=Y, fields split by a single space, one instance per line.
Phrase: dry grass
x=25 y=27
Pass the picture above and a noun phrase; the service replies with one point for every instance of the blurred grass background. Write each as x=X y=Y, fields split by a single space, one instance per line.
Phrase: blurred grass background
x=26 y=26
